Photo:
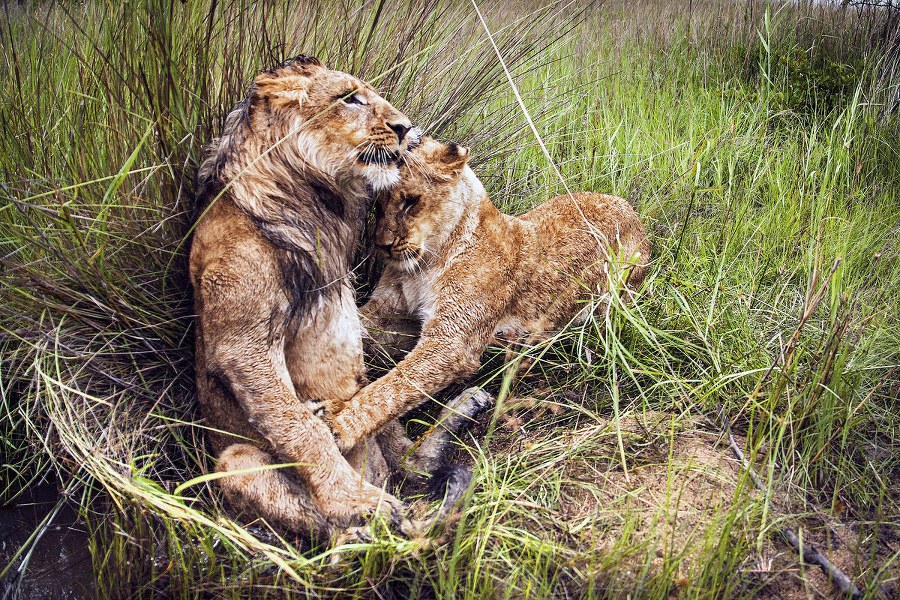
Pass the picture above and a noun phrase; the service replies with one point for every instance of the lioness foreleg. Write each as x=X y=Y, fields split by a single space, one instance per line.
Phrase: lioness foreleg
x=245 y=350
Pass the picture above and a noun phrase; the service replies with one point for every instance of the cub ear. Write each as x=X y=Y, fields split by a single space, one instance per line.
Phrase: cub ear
x=453 y=158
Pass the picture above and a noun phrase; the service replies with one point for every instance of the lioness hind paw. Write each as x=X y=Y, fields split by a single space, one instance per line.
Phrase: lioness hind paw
x=449 y=483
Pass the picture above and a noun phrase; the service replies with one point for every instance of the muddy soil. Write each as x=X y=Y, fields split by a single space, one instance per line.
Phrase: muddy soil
x=58 y=565
x=681 y=478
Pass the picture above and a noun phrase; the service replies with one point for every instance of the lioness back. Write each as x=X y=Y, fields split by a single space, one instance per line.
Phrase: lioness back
x=470 y=273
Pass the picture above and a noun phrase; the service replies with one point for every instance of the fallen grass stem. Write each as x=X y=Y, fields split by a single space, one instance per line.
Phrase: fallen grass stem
x=785 y=357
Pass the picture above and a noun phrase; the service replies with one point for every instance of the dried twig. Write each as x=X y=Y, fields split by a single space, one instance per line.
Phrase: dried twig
x=809 y=553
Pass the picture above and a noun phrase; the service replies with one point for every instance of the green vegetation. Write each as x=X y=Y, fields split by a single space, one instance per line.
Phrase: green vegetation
x=759 y=145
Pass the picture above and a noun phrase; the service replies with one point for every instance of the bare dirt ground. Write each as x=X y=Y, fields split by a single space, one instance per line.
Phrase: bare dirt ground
x=680 y=493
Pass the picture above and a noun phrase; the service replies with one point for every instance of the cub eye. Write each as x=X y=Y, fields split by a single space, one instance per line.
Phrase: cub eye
x=409 y=202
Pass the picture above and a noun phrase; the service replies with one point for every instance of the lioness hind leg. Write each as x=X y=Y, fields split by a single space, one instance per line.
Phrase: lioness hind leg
x=255 y=489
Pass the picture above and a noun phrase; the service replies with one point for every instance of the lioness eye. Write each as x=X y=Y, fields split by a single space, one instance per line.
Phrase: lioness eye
x=351 y=97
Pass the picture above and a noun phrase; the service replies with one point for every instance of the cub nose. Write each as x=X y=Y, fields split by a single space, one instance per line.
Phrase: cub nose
x=400 y=129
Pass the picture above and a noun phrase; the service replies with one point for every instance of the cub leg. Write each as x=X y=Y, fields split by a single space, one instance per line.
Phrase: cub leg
x=439 y=359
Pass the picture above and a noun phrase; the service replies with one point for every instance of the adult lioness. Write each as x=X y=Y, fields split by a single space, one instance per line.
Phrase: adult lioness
x=284 y=192
x=469 y=272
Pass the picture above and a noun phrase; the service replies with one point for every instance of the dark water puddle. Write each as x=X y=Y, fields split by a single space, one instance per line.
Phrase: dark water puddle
x=58 y=565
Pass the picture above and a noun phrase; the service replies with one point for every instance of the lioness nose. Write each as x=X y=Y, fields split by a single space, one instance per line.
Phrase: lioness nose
x=400 y=129
x=386 y=248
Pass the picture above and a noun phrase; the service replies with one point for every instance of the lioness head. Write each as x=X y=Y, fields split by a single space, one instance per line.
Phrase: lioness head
x=418 y=215
x=337 y=123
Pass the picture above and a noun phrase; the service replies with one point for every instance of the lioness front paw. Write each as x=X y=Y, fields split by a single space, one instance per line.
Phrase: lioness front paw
x=368 y=502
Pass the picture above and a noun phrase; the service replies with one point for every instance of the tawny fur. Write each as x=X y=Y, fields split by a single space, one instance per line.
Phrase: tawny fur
x=469 y=273
x=283 y=195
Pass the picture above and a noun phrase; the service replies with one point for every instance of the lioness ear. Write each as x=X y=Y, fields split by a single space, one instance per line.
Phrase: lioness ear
x=454 y=158
x=284 y=89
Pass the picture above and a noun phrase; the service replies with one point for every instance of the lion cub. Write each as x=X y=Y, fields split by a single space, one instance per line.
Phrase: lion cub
x=470 y=273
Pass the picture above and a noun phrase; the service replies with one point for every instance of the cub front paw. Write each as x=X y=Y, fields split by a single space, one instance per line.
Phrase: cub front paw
x=344 y=433
x=319 y=409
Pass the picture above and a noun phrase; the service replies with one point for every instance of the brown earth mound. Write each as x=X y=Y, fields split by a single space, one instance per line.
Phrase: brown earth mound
x=661 y=500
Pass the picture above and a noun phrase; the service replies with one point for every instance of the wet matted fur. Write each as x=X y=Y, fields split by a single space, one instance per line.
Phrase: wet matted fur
x=469 y=273
x=284 y=192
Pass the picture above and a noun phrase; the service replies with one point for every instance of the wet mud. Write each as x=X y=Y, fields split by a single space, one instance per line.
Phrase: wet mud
x=47 y=560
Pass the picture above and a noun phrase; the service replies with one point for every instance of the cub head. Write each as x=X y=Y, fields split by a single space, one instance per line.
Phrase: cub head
x=416 y=217
x=337 y=123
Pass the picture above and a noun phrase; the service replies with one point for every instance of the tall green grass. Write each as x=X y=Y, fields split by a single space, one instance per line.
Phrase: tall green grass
x=767 y=181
